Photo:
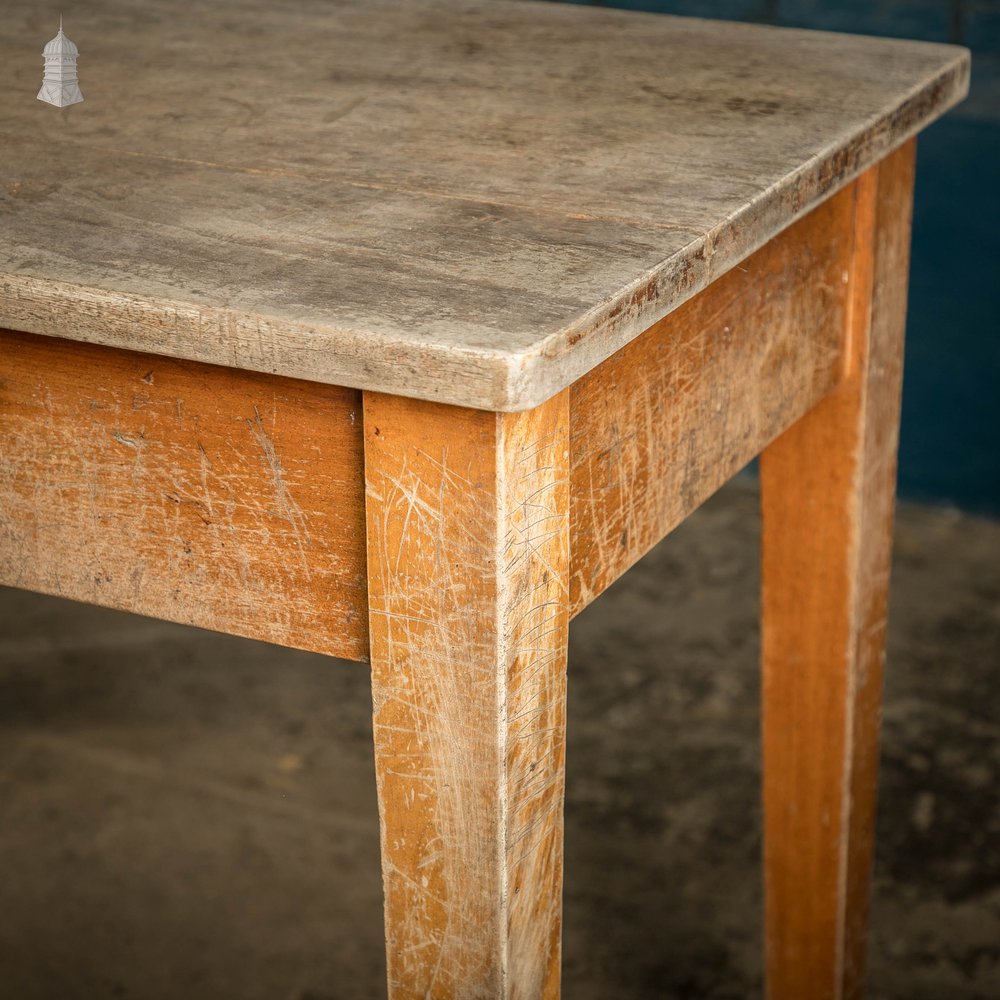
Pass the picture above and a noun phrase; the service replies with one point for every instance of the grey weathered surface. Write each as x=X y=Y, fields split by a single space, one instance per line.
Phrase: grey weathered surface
x=468 y=202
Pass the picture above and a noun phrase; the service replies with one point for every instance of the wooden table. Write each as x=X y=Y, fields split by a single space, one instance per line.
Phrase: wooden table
x=399 y=331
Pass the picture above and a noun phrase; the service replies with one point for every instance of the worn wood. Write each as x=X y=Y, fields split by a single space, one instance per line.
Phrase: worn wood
x=656 y=428
x=199 y=494
x=468 y=562
x=664 y=422
x=475 y=206
x=828 y=487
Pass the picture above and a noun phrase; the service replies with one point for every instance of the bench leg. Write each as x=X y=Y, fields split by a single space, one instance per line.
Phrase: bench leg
x=827 y=490
x=468 y=561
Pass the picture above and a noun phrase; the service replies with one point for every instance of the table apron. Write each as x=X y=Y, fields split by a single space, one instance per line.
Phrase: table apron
x=184 y=491
x=662 y=424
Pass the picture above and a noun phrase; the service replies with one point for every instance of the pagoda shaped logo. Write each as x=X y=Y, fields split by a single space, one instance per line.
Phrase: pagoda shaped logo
x=60 y=86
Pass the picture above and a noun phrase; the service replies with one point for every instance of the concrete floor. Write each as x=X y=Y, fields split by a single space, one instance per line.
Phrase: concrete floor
x=184 y=814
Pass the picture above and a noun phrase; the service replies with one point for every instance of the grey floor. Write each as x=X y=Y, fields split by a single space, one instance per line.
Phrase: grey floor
x=186 y=815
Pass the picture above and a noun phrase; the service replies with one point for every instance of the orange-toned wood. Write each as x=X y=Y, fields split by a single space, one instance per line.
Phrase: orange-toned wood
x=212 y=496
x=828 y=487
x=468 y=545
x=662 y=424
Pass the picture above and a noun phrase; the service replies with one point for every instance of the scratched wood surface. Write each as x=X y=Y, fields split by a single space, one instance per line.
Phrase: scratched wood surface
x=662 y=424
x=226 y=499
x=656 y=428
x=467 y=201
x=827 y=490
x=468 y=549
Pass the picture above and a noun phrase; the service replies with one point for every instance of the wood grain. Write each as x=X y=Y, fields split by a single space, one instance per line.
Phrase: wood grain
x=476 y=207
x=199 y=494
x=827 y=491
x=662 y=424
x=468 y=549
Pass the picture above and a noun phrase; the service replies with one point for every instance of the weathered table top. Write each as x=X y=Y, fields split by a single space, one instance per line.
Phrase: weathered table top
x=470 y=201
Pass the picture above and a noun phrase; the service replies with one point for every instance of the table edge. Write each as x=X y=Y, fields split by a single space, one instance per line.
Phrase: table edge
x=479 y=378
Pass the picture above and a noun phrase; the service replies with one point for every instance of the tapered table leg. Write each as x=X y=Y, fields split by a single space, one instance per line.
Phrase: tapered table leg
x=827 y=492
x=468 y=559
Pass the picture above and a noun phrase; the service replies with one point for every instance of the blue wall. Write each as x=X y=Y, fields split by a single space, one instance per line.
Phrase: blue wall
x=950 y=439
